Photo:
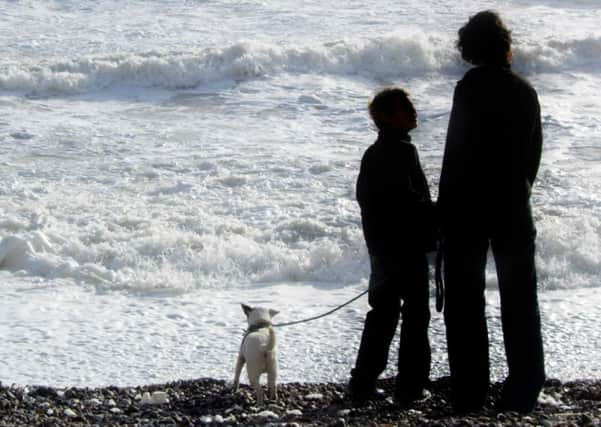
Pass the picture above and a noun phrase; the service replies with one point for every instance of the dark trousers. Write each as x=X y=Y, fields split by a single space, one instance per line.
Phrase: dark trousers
x=398 y=285
x=467 y=335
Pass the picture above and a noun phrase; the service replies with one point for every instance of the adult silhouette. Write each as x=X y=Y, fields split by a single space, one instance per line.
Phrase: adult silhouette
x=491 y=159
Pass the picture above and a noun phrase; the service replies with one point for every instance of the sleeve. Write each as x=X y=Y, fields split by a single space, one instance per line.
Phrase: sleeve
x=425 y=219
x=364 y=197
x=362 y=192
x=418 y=179
x=535 y=146
x=456 y=133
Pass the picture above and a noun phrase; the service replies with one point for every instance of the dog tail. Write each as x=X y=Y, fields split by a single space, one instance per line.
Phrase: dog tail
x=272 y=340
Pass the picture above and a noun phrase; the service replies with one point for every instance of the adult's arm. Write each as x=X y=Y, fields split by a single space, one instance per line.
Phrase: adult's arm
x=457 y=134
x=536 y=145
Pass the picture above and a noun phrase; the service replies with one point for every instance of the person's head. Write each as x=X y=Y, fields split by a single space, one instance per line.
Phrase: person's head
x=391 y=108
x=485 y=40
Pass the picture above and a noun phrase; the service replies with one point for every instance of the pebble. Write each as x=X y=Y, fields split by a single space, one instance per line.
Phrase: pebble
x=267 y=414
x=156 y=398
x=115 y=410
x=235 y=408
x=314 y=396
x=70 y=413
x=160 y=397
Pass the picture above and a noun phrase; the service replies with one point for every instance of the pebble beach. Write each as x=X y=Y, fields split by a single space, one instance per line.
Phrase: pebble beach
x=162 y=162
x=208 y=402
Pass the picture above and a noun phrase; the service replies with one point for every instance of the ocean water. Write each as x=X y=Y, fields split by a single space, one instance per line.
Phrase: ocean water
x=163 y=161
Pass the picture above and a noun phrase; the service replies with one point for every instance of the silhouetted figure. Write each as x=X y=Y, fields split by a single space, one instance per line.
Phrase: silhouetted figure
x=491 y=159
x=396 y=211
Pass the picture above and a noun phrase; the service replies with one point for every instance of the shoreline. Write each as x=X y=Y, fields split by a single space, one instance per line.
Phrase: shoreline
x=211 y=402
x=70 y=336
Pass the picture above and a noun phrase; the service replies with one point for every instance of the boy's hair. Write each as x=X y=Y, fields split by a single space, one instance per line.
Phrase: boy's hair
x=387 y=102
x=485 y=40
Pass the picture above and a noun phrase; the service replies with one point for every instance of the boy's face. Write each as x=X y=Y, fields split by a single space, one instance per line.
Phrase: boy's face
x=404 y=118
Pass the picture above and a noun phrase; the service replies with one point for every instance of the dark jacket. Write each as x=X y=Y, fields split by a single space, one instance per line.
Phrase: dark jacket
x=492 y=154
x=393 y=194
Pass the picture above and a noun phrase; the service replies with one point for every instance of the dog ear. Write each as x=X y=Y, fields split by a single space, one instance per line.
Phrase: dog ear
x=273 y=312
x=247 y=309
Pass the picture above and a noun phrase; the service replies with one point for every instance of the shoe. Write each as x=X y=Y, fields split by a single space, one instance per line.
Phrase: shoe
x=517 y=399
x=404 y=398
x=514 y=405
x=360 y=392
x=463 y=408
x=360 y=397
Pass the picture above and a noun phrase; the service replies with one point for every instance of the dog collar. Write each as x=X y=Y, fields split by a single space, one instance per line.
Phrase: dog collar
x=257 y=326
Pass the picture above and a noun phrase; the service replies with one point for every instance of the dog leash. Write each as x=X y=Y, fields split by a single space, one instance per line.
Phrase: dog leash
x=278 y=325
x=439 y=294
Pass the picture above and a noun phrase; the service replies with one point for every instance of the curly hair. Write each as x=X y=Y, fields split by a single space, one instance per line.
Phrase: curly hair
x=485 y=40
x=387 y=102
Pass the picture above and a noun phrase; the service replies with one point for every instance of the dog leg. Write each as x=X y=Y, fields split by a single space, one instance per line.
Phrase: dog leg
x=256 y=384
x=239 y=365
x=272 y=373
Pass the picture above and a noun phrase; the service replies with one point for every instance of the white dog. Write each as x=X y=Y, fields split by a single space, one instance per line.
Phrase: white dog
x=258 y=351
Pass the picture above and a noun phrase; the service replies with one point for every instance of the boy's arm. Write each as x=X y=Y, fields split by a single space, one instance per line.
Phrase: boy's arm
x=385 y=196
x=426 y=217
x=419 y=183
x=365 y=197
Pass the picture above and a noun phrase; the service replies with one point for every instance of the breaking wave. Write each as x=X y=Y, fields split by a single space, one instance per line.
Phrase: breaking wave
x=379 y=58
x=301 y=251
x=182 y=262
x=559 y=55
